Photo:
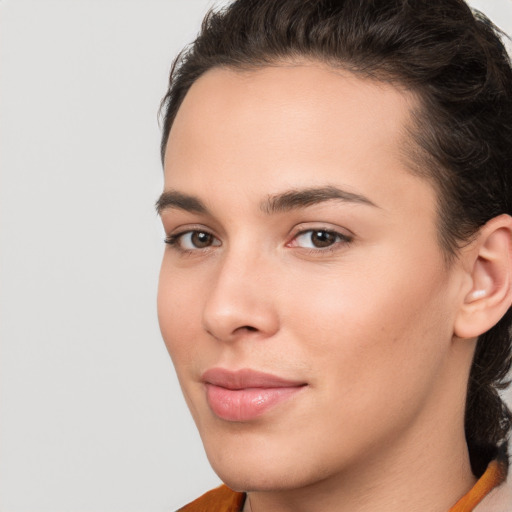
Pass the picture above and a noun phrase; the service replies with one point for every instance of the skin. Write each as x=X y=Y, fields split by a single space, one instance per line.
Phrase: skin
x=367 y=322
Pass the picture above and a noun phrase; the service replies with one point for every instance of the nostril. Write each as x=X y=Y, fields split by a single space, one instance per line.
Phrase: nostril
x=228 y=316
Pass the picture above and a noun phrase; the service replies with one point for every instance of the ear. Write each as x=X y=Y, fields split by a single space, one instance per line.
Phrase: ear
x=490 y=271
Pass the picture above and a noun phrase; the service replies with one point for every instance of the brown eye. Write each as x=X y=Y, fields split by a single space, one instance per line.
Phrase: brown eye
x=323 y=238
x=200 y=239
x=192 y=240
x=319 y=239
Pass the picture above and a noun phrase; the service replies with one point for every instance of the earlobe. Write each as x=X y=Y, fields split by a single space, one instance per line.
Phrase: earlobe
x=490 y=271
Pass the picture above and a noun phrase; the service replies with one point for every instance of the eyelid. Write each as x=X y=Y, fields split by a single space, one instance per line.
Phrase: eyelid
x=185 y=227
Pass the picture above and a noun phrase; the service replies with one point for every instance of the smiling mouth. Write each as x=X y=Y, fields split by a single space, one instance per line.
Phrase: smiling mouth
x=246 y=394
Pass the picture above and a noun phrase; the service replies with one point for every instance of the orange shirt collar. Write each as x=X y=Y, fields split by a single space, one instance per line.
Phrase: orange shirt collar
x=494 y=475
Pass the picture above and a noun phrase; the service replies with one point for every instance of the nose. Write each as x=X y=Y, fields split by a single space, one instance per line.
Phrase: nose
x=241 y=300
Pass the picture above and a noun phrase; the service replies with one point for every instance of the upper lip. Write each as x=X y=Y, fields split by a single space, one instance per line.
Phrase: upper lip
x=246 y=378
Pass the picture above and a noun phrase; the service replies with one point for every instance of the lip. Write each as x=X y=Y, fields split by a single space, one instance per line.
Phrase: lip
x=246 y=394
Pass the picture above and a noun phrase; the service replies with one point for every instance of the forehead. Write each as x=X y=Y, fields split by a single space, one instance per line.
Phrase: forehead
x=290 y=125
x=309 y=93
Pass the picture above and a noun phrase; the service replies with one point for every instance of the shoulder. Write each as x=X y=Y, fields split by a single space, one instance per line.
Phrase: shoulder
x=221 y=499
x=498 y=500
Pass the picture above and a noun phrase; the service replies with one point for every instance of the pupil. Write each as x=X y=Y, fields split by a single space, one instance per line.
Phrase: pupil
x=200 y=239
x=323 y=238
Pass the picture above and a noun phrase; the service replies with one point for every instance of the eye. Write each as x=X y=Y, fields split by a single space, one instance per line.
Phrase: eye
x=192 y=240
x=318 y=239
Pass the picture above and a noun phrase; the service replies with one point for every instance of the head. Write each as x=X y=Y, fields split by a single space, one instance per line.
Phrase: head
x=437 y=82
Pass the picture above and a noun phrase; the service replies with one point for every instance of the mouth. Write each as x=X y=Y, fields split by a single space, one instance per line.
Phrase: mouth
x=244 y=395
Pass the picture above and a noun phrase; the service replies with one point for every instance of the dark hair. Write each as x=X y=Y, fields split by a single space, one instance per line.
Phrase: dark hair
x=454 y=62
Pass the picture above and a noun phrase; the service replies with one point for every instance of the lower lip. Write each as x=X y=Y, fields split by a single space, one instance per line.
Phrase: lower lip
x=246 y=404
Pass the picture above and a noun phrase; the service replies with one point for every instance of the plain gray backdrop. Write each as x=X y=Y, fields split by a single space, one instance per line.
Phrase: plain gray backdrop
x=91 y=415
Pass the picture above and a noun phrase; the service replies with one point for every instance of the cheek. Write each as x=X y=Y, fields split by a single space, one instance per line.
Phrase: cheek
x=382 y=331
x=178 y=306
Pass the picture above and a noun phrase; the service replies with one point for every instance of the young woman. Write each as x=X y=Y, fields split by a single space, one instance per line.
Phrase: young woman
x=336 y=289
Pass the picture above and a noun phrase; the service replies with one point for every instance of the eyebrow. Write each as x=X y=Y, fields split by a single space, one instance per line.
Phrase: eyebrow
x=302 y=198
x=290 y=200
x=175 y=199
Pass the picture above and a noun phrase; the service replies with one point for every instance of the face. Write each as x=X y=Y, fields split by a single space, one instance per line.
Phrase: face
x=303 y=296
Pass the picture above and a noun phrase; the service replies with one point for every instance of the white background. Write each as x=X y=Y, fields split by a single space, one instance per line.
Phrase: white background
x=91 y=416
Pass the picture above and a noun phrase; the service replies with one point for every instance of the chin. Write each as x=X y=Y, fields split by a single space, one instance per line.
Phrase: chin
x=244 y=468
x=252 y=479
x=250 y=466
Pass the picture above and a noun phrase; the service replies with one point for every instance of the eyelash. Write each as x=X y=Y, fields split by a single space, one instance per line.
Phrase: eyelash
x=340 y=240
